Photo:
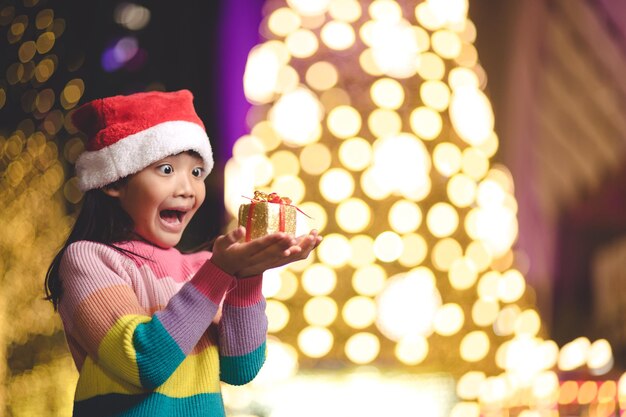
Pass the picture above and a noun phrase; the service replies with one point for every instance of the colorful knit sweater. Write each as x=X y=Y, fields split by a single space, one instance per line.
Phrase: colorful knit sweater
x=146 y=334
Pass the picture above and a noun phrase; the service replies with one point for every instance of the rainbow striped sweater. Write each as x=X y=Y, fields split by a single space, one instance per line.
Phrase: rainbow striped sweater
x=147 y=333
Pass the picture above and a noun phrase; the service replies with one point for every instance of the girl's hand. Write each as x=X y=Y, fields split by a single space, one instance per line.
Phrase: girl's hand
x=244 y=259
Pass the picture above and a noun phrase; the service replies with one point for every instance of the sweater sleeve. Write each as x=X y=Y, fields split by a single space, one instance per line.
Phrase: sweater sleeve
x=243 y=332
x=101 y=310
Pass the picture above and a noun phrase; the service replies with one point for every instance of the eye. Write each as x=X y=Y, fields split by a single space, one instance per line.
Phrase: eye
x=166 y=169
x=197 y=172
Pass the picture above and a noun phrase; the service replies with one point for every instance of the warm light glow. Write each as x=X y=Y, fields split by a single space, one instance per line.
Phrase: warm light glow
x=277 y=316
x=315 y=158
x=308 y=7
x=474 y=346
x=574 y=354
x=359 y=312
x=284 y=163
x=528 y=323
x=445 y=252
x=426 y=123
x=546 y=386
x=405 y=216
x=338 y=35
x=394 y=46
x=355 y=154
x=283 y=21
x=288 y=285
x=462 y=274
x=353 y=215
x=344 y=121
x=408 y=304
x=387 y=93
x=319 y=279
x=449 y=319
x=281 y=363
x=471 y=115
x=446 y=44
x=505 y=323
x=461 y=190
x=465 y=409
x=442 y=220
x=336 y=185
x=315 y=341
x=415 y=250
x=322 y=75
x=369 y=280
x=261 y=73
x=296 y=117
x=383 y=122
x=334 y=250
x=511 y=286
x=345 y=10
x=447 y=158
x=600 y=357
x=412 y=350
x=388 y=246
x=435 y=94
x=320 y=311
x=401 y=163
x=485 y=312
x=362 y=348
x=469 y=385
x=362 y=247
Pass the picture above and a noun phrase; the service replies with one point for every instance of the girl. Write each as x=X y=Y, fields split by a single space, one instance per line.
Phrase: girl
x=153 y=331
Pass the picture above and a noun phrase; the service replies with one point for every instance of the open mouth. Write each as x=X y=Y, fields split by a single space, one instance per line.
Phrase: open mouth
x=172 y=216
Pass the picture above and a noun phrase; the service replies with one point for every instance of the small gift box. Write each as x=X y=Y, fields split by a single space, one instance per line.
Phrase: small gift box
x=267 y=214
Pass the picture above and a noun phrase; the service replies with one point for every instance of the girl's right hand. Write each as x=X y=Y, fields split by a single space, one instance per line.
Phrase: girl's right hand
x=244 y=259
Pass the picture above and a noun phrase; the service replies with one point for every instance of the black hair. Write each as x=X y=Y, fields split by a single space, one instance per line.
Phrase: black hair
x=101 y=219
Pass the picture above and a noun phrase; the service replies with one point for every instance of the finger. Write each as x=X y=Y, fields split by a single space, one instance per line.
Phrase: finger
x=268 y=245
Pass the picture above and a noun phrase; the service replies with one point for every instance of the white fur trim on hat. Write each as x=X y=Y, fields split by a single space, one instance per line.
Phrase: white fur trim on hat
x=95 y=169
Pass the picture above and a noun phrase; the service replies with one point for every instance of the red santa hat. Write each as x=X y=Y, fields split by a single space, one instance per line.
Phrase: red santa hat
x=128 y=133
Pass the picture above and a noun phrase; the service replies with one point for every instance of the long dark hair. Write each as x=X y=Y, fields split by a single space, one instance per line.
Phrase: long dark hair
x=101 y=219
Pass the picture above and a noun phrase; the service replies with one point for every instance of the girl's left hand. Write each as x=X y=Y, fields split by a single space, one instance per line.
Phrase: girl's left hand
x=244 y=259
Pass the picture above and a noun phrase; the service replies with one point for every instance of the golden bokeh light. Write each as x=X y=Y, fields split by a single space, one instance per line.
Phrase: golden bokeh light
x=362 y=348
x=474 y=346
x=322 y=75
x=338 y=35
x=315 y=341
x=387 y=93
x=355 y=154
x=353 y=215
x=320 y=311
x=277 y=316
x=448 y=319
x=362 y=248
x=318 y=279
x=315 y=158
x=344 y=121
x=284 y=21
x=369 y=279
x=359 y=312
x=412 y=350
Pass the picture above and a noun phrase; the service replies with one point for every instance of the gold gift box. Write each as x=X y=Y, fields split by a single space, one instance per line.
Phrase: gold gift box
x=265 y=218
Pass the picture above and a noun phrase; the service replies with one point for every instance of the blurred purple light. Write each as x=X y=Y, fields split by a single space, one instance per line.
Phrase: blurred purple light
x=120 y=53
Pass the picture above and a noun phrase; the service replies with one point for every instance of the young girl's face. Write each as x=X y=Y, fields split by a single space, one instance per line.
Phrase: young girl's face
x=162 y=198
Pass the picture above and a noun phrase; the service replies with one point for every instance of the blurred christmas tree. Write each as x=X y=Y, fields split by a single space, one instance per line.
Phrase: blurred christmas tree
x=36 y=373
x=371 y=117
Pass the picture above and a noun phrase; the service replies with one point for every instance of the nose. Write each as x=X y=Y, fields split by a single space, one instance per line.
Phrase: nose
x=184 y=186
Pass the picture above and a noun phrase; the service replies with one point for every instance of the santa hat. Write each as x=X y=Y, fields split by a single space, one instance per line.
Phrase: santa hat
x=128 y=133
